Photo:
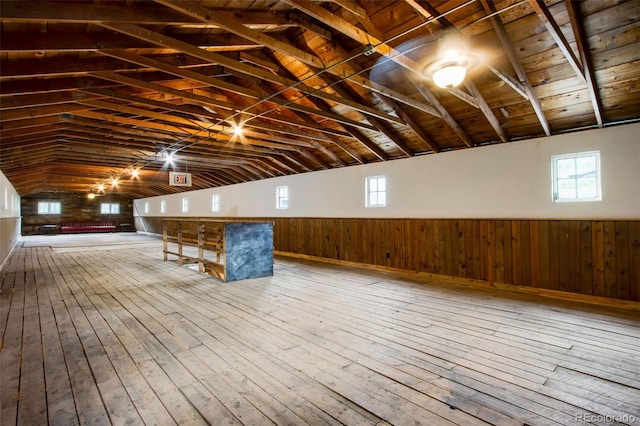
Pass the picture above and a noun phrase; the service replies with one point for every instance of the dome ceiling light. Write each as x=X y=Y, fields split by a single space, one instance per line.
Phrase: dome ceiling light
x=453 y=61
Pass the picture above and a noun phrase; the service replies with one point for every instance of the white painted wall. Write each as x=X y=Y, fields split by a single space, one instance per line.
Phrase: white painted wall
x=9 y=199
x=510 y=180
x=9 y=218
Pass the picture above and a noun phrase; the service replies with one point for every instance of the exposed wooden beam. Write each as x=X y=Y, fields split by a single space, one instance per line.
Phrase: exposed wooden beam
x=486 y=110
x=583 y=49
x=501 y=32
x=446 y=116
x=430 y=12
x=29 y=42
x=508 y=78
x=347 y=92
x=247 y=69
x=352 y=6
x=237 y=27
x=415 y=128
x=135 y=13
x=554 y=29
x=229 y=23
x=233 y=88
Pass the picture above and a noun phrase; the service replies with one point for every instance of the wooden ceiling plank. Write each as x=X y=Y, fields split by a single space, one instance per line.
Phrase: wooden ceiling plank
x=29 y=42
x=446 y=116
x=234 y=88
x=238 y=28
x=352 y=6
x=260 y=73
x=83 y=13
x=576 y=20
x=263 y=92
x=422 y=135
x=487 y=111
x=509 y=80
x=214 y=82
x=367 y=39
x=478 y=99
x=39 y=111
x=348 y=93
x=554 y=30
x=229 y=23
x=501 y=32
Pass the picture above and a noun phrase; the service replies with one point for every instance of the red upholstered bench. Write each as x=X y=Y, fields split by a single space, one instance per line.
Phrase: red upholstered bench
x=78 y=227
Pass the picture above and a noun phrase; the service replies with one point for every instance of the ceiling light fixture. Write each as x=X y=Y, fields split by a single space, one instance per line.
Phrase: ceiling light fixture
x=170 y=157
x=237 y=130
x=454 y=60
x=135 y=173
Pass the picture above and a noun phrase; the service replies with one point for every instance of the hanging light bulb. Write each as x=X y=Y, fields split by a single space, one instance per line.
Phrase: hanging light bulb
x=237 y=130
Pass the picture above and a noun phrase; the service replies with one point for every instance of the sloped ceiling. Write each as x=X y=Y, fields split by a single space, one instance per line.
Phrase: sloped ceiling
x=91 y=90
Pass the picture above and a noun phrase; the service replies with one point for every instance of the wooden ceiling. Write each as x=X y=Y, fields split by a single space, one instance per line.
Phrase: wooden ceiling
x=90 y=90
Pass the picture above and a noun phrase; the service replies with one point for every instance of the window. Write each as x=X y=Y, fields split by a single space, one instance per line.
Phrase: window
x=215 y=203
x=376 y=191
x=185 y=205
x=163 y=206
x=576 y=177
x=49 y=207
x=282 y=197
x=109 y=208
x=146 y=207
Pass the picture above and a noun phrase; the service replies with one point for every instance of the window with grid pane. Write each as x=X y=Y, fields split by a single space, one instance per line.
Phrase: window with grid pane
x=282 y=197
x=215 y=203
x=376 y=191
x=109 y=208
x=576 y=177
x=49 y=207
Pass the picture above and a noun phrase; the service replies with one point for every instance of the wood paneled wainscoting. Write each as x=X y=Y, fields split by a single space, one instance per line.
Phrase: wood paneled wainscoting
x=589 y=257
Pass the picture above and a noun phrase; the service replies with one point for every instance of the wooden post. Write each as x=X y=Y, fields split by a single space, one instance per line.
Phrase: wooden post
x=165 y=242
x=201 y=247
x=180 y=244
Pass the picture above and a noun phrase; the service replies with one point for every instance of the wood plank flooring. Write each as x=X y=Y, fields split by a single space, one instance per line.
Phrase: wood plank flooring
x=99 y=330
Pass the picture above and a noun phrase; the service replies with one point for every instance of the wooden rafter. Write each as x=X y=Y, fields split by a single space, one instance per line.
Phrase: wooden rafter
x=554 y=29
x=583 y=49
x=517 y=65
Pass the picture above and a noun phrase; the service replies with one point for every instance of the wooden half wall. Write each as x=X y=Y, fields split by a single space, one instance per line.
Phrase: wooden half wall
x=590 y=257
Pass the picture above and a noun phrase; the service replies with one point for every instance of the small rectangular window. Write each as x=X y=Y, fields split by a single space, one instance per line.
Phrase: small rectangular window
x=376 y=191
x=282 y=197
x=109 y=208
x=576 y=177
x=185 y=205
x=163 y=206
x=215 y=203
x=49 y=207
x=146 y=207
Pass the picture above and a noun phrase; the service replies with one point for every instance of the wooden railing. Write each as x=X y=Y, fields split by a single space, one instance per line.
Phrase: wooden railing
x=230 y=251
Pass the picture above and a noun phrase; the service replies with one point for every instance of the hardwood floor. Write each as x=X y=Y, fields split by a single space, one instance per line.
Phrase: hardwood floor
x=96 y=329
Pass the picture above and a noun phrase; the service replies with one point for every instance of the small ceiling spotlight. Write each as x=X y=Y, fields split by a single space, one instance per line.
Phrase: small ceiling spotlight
x=91 y=196
x=170 y=158
x=114 y=181
x=135 y=173
x=101 y=187
x=237 y=130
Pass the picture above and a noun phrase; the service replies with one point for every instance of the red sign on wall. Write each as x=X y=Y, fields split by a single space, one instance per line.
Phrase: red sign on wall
x=179 y=179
